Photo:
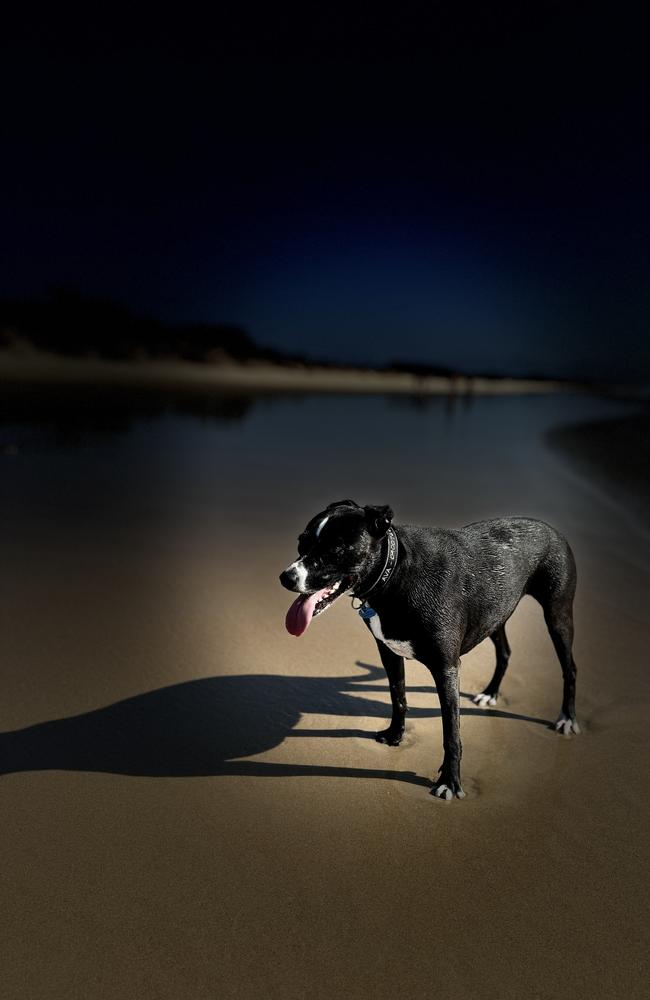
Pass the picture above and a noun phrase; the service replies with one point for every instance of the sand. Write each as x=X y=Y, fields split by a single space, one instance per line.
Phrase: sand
x=193 y=804
x=175 y=374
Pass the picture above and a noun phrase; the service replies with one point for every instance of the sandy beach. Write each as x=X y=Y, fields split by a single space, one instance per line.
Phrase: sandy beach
x=47 y=368
x=193 y=802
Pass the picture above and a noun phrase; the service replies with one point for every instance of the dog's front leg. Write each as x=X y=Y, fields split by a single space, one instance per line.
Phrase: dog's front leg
x=445 y=675
x=394 y=667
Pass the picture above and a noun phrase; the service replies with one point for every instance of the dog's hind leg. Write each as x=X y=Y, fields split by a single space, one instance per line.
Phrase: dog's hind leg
x=554 y=587
x=502 y=646
x=394 y=667
x=559 y=619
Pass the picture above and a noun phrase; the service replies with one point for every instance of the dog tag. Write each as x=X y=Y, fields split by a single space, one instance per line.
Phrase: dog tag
x=367 y=612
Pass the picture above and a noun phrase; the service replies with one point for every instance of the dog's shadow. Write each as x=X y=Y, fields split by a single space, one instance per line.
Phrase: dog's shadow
x=205 y=726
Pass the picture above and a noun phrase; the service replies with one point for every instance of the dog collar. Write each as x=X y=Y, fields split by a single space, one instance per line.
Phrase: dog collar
x=389 y=565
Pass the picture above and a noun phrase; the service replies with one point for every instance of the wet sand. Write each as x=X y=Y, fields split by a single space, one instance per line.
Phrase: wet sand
x=193 y=804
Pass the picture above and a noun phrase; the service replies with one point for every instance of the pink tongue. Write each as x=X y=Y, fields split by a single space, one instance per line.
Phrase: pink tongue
x=300 y=613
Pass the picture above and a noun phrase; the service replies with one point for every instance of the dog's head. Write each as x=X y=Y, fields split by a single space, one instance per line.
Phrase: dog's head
x=336 y=551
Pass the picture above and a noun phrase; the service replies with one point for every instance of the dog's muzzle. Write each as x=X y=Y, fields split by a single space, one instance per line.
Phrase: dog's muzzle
x=289 y=578
x=294 y=577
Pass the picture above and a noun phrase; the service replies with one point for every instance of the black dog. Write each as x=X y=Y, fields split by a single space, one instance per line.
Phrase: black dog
x=431 y=594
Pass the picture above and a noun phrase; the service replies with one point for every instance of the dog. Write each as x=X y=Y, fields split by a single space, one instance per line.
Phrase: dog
x=433 y=594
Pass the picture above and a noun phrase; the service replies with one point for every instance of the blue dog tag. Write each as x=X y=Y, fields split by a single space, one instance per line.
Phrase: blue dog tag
x=367 y=612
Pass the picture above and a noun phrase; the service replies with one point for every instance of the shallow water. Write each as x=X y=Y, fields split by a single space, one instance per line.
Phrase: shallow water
x=243 y=468
x=432 y=458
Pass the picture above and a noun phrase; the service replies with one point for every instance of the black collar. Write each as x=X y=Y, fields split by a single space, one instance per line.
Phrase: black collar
x=388 y=567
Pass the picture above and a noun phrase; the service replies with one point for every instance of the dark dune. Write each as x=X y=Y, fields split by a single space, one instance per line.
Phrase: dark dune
x=615 y=453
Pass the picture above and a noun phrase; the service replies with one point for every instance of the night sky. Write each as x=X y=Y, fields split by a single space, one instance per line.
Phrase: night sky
x=471 y=190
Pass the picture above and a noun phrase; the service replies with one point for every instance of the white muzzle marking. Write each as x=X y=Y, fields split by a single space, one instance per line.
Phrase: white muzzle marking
x=301 y=575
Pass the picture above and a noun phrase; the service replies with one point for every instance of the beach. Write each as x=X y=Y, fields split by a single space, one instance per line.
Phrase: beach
x=193 y=802
x=255 y=376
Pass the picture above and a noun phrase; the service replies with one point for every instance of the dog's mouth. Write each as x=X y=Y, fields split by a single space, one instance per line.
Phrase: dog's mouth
x=307 y=606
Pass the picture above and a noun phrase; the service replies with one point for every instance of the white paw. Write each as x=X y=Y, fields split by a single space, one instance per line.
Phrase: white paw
x=443 y=792
x=566 y=726
x=484 y=700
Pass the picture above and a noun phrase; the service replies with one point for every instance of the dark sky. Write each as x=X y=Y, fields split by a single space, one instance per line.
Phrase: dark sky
x=470 y=189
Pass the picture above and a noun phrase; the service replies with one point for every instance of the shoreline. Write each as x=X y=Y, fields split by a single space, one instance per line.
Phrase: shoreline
x=47 y=368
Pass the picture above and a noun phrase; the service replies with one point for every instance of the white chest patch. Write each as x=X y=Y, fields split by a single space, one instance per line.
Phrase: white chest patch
x=399 y=646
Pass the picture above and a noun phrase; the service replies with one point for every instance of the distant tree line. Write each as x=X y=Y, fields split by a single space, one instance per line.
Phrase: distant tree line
x=75 y=325
x=69 y=323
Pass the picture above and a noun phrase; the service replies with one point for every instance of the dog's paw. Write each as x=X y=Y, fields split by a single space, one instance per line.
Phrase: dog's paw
x=392 y=737
x=567 y=726
x=447 y=789
x=485 y=699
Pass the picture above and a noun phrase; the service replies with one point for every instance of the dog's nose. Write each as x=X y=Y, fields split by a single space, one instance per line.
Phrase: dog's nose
x=288 y=578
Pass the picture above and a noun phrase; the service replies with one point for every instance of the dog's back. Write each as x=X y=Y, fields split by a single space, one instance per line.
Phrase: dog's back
x=485 y=568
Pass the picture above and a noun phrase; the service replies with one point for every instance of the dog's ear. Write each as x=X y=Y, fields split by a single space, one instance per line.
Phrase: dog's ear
x=378 y=520
x=341 y=503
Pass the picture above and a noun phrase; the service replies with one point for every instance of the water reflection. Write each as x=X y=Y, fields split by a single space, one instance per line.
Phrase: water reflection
x=427 y=454
x=37 y=418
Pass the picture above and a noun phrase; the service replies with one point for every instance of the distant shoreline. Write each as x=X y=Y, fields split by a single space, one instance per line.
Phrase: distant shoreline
x=48 y=368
